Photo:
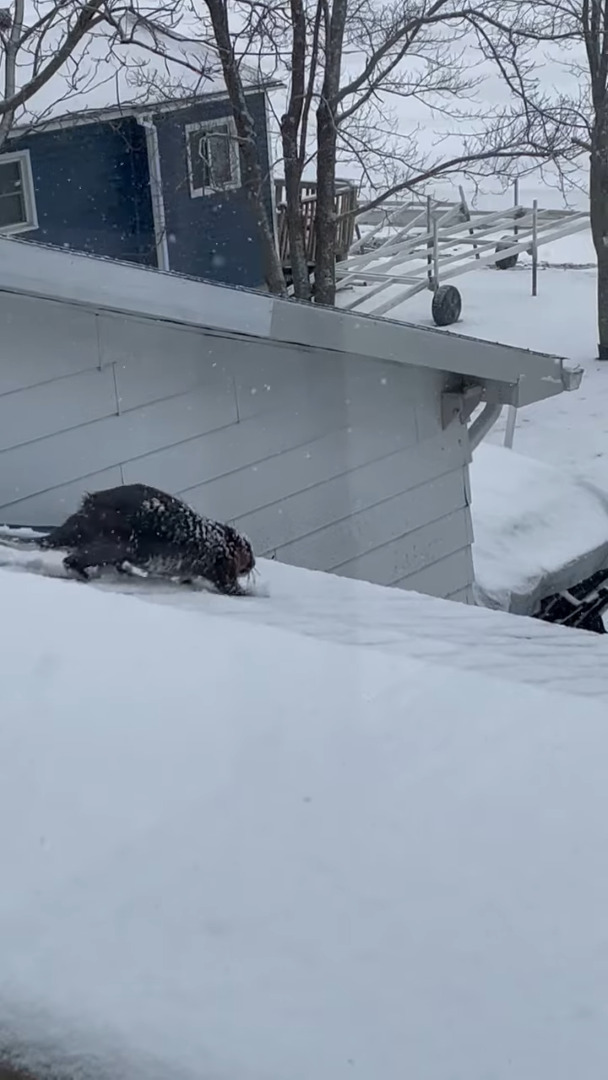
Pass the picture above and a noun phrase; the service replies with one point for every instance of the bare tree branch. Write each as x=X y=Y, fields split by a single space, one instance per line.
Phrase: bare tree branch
x=88 y=17
x=11 y=52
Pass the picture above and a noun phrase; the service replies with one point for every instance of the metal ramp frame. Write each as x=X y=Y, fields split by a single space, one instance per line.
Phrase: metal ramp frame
x=435 y=247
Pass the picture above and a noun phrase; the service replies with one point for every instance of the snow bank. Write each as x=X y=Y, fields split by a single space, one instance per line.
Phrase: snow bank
x=536 y=530
x=232 y=850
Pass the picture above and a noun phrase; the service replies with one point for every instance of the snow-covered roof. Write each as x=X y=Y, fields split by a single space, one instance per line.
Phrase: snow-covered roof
x=537 y=530
x=123 y=66
x=331 y=830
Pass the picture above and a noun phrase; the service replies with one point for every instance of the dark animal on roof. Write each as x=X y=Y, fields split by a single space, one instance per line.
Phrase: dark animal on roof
x=143 y=527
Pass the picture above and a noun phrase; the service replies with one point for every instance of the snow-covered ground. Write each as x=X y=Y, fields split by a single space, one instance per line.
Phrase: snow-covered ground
x=330 y=830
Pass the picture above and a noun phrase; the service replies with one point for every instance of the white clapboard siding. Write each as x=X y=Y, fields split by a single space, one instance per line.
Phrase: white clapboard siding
x=436 y=580
x=41 y=340
x=349 y=542
x=327 y=461
x=416 y=550
x=54 y=407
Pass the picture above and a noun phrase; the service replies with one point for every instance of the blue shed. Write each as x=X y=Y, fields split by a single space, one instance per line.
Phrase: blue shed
x=155 y=179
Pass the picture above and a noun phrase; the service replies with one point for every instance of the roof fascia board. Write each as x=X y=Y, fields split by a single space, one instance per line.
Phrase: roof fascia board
x=122 y=112
x=53 y=274
x=531 y=376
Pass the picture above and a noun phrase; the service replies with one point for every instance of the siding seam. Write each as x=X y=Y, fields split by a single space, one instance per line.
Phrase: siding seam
x=395 y=539
x=109 y=416
x=55 y=487
x=457 y=592
x=438 y=562
x=159 y=450
x=55 y=378
x=376 y=547
x=328 y=480
x=269 y=457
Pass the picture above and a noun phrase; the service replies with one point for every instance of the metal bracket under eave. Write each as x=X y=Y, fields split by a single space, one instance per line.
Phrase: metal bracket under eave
x=460 y=404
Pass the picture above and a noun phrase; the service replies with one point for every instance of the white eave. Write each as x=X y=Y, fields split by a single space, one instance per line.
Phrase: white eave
x=508 y=375
x=136 y=107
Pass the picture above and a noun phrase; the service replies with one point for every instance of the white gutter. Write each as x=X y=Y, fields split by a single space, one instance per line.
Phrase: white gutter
x=156 y=191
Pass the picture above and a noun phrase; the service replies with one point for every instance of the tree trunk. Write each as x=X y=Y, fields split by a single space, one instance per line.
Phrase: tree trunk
x=253 y=180
x=325 y=261
x=327 y=140
x=602 y=303
x=598 y=191
x=295 y=223
x=292 y=160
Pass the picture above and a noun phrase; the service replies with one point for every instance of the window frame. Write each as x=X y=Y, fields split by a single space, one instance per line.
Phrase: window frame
x=22 y=157
x=204 y=127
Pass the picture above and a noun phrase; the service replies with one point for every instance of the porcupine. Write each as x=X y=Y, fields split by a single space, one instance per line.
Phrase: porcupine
x=144 y=527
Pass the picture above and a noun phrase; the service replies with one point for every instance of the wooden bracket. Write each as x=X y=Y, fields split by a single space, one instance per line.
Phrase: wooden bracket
x=460 y=404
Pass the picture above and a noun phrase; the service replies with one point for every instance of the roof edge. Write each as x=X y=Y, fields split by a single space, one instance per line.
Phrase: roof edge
x=133 y=108
x=509 y=374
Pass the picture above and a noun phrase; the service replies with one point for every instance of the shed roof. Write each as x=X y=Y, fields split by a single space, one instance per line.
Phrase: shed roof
x=373 y=854
x=508 y=374
x=122 y=66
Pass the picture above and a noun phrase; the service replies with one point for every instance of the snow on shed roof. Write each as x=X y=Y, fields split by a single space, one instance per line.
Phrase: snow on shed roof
x=537 y=530
x=125 y=65
x=355 y=858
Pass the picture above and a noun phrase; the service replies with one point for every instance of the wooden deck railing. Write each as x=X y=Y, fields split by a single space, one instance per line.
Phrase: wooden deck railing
x=346 y=204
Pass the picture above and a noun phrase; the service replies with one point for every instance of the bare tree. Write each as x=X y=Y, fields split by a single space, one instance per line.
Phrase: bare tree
x=349 y=62
x=33 y=51
x=571 y=35
x=56 y=55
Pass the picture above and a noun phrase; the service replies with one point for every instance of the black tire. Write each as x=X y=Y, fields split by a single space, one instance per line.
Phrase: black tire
x=511 y=260
x=446 y=306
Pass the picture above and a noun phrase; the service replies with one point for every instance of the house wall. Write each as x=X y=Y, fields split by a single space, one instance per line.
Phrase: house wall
x=93 y=189
x=327 y=462
x=211 y=236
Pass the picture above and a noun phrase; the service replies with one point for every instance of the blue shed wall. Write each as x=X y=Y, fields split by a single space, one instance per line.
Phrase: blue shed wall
x=214 y=236
x=92 y=189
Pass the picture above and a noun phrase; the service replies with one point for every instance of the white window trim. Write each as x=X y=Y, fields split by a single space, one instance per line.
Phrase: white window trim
x=235 y=158
x=29 y=197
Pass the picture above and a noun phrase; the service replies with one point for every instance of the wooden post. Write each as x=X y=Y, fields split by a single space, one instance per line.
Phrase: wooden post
x=515 y=204
x=535 y=248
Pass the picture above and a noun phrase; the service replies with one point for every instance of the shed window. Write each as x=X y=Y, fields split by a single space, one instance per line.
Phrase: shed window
x=17 y=203
x=213 y=156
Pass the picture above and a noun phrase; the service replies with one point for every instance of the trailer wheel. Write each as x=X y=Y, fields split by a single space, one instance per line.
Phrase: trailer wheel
x=511 y=260
x=446 y=306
